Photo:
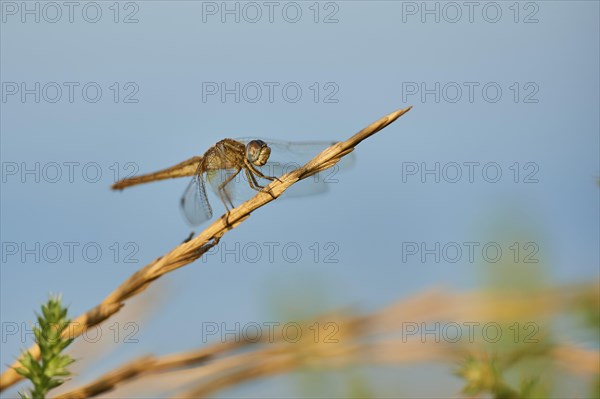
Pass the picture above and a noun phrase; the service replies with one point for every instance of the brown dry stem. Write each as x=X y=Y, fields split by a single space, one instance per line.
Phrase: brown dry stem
x=147 y=365
x=360 y=339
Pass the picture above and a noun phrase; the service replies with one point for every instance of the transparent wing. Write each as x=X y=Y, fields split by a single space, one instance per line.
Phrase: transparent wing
x=297 y=153
x=287 y=156
x=194 y=203
x=237 y=190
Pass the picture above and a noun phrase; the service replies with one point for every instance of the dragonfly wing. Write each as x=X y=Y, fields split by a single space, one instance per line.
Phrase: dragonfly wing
x=287 y=156
x=238 y=189
x=194 y=202
x=293 y=154
x=296 y=152
x=312 y=185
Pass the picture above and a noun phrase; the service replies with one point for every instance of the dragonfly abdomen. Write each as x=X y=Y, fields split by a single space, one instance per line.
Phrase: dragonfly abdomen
x=183 y=169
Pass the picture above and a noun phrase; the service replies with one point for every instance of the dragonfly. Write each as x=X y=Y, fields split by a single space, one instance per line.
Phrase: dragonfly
x=235 y=169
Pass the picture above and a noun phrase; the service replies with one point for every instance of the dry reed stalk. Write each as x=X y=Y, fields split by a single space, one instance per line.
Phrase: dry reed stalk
x=268 y=362
x=361 y=349
x=147 y=365
x=362 y=339
x=193 y=249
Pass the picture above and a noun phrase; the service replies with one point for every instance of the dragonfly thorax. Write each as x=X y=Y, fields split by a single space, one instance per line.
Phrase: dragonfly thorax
x=257 y=152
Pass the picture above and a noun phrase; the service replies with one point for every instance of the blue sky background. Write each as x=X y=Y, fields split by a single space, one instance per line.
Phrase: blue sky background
x=370 y=55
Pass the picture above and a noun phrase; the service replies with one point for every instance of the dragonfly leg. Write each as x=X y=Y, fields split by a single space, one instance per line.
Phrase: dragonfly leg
x=223 y=194
x=225 y=217
x=254 y=184
x=259 y=173
x=252 y=181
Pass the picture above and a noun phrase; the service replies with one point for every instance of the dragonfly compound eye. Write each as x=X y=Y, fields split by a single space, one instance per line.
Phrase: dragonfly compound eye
x=258 y=152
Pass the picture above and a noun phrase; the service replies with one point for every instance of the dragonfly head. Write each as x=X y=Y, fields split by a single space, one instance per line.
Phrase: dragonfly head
x=258 y=152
